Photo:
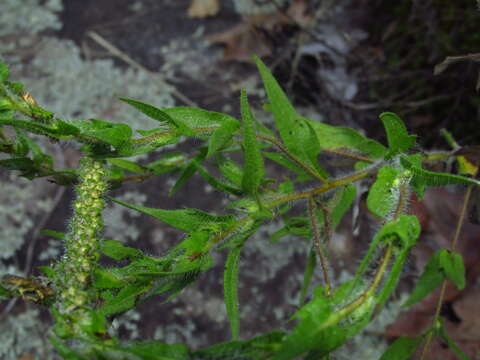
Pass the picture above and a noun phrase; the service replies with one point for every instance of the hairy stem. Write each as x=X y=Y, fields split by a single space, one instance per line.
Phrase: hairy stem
x=312 y=212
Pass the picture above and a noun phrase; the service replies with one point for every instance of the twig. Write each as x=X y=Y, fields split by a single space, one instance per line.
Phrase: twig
x=121 y=55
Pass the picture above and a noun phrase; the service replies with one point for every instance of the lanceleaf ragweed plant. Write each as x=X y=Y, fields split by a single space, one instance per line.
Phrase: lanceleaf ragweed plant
x=83 y=296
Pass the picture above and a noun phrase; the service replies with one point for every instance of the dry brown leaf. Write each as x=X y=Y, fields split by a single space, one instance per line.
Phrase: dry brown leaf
x=249 y=38
x=240 y=42
x=203 y=8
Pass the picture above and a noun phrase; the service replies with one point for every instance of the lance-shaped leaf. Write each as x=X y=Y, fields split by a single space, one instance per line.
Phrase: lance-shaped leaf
x=222 y=136
x=342 y=202
x=442 y=334
x=167 y=163
x=398 y=139
x=319 y=329
x=404 y=232
x=4 y=72
x=381 y=198
x=217 y=184
x=296 y=133
x=205 y=122
x=125 y=299
x=185 y=219
x=452 y=265
x=430 y=279
x=340 y=137
x=128 y=165
x=308 y=274
x=152 y=350
x=230 y=289
x=147 y=144
x=260 y=347
x=432 y=178
x=116 y=250
x=283 y=160
x=188 y=171
x=114 y=134
x=159 y=115
x=401 y=349
x=254 y=169
x=59 y=130
x=230 y=170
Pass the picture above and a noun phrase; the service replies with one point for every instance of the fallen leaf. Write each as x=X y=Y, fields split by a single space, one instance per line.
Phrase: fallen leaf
x=253 y=35
x=241 y=41
x=203 y=8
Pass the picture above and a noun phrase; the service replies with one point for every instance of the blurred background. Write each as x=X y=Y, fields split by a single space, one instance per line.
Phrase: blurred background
x=341 y=62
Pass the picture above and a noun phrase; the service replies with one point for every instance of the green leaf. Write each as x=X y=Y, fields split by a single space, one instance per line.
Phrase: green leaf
x=393 y=276
x=207 y=121
x=289 y=164
x=440 y=332
x=431 y=278
x=343 y=201
x=222 y=136
x=55 y=234
x=401 y=349
x=188 y=171
x=114 y=134
x=258 y=348
x=23 y=164
x=64 y=351
x=452 y=265
x=308 y=274
x=116 y=250
x=125 y=299
x=398 y=139
x=254 y=167
x=230 y=170
x=168 y=162
x=186 y=219
x=340 y=137
x=432 y=178
x=59 y=130
x=217 y=184
x=298 y=226
x=319 y=328
x=380 y=200
x=404 y=232
x=145 y=145
x=230 y=289
x=4 y=292
x=160 y=115
x=4 y=72
x=21 y=146
x=156 y=350
x=296 y=133
x=109 y=279
x=48 y=271
x=92 y=323
x=128 y=165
